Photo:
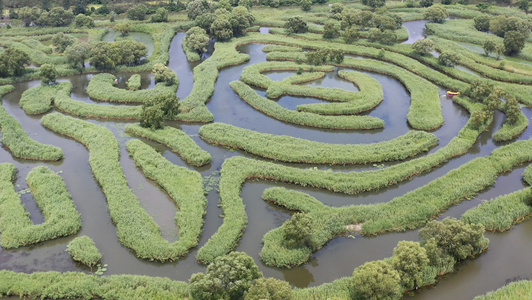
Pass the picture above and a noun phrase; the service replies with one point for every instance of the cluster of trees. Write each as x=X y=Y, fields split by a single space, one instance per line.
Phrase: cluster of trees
x=12 y=62
x=485 y=92
x=236 y=276
x=108 y=55
x=514 y=30
x=321 y=56
x=57 y=16
x=222 y=23
x=413 y=264
x=197 y=39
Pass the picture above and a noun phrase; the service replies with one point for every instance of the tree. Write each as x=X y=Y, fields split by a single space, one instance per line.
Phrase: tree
x=350 y=35
x=388 y=37
x=374 y=3
x=423 y=46
x=197 y=39
x=512 y=109
x=335 y=12
x=456 y=238
x=103 y=56
x=161 y=15
x=384 y=22
x=500 y=25
x=524 y=5
x=222 y=29
x=240 y=19
x=246 y=3
x=129 y=52
x=410 y=259
x=227 y=277
x=374 y=35
x=137 y=12
x=364 y=19
x=66 y=4
x=336 y=55
x=482 y=22
x=331 y=31
x=61 y=41
x=376 y=280
x=205 y=21
x=123 y=28
x=12 y=62
x=436 y=13
x=514 y=42
x=269 y=288
x=1 y=9
x=295 y=25
x=426 y=3
x=80 y=7
x=77 y=54
x=499 y=50
x=448 y=59
x=306 y=5
x=298 y=229
x=479 y=89
x=447 y=2
x=56 y=17
x=198 y=7
x=488 y=47
x=29 y=15
x=48 y=74
x=84 y=21
x=164 y=74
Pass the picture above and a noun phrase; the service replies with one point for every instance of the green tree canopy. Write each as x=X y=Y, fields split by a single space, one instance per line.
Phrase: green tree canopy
x=410 y=259
x=514 y=42
x=197 y=39
x=157 y=108
x=82 y=20
x=161 y=15
x=436 y=13
x=137 y=12
x=61 y=41
x=269 y=288
x=482 y=22
x=12 y=62
x=56 y=17
x=199 y=7
x=376 y=280
x=77 y=54
x=295 y=25
x=448 y=59
x=423 y=46
x=48 y=74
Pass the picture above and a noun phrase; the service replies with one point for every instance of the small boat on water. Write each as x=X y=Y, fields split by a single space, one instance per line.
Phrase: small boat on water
x=452 y=94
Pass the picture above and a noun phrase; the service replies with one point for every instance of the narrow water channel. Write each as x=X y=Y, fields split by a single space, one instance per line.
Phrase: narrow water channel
x=506 y=259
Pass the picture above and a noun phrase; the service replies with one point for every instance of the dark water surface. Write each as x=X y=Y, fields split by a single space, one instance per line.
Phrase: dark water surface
x=506 y=259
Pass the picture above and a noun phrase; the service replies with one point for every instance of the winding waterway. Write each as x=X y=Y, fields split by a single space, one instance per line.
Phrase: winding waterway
x=506 y=259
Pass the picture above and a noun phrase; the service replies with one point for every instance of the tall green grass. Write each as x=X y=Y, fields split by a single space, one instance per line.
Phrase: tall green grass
x=280 y=113
x=18 y=142
x=175 y=139
x=84 y=250
x=101 y=87
x=237 y=170
x=40 y=99
x=55 y=285
x=61 y=217
x=513 y=291
x=291 y=149
x=135 y=228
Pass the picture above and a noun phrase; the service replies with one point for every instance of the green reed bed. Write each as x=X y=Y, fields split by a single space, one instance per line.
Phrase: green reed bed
x=37 y=56
x=40 y=99
x=291 y=149
x=425 y=107
x=280 y=113
x=175 y=139
x=35 y=44
x=193 y=108
x=501 y=213
x=101 y=87
x=406 y=212
x=84 y=250
x=463 y=30
x=509 y=131
x=61 y=217
x=17 y=140
x=280 y=48
x=55 y=285
x=369 y=96
x=135 y=228
x=134 y=82
x=513 y=291
x=237 y=170
x=183 y=185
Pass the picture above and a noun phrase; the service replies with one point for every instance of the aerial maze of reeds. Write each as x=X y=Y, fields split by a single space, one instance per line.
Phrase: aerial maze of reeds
x=301 y=172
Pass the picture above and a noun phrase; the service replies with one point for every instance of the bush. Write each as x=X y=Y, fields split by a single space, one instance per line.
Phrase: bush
x=156 y=108
x=426 y=3
x=123 y=28
x=269 y=288
x=84 y=250
x=161 y=15
x=514 y=42
x=12 y=62
x=376 y=280
x=133 y=83
x=423 y=46
x=84 y=21
x=295 y=25
x=436 y=13
x=57 y=17
x=331 y=31
x=48 y=74
x=448 y=59
x=482 y=22
x=137 y=12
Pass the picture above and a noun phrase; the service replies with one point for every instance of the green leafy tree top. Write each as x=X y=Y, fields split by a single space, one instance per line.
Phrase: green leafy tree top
x=376 y=280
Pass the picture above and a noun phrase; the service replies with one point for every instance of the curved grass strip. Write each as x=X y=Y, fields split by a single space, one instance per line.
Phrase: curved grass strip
x=513 y=290
x=37 y=56
x=425 y=107
x=406 y=212
x=291 y=149
x=61 y=217
x=135 y=228
x=101 y=87
x=280 y=113
x=40 y=99
x=175 y=139
x=237 y=170
x=17 y=141
x=501 y=213
x=183 y=185
x=369 y=96
x=55 y=285
x=509 y=132
x=281 y=48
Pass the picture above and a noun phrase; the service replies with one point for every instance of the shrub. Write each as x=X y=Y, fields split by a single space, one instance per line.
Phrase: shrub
x=426 y=3
x=376 y=280
x=156 y=108
x=161 y=15
x=448 y=59
x=482 y=22
x=269 y=288
x=295 y=25
x=57 y=17
x=134 y=82
x=61 y=41
x=436 y=13
x=48 y=74
x=137 y=12
x=84 y=250
x=84 y=21
x=423 y=46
